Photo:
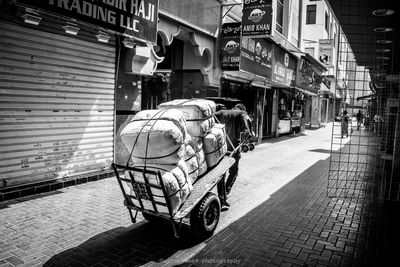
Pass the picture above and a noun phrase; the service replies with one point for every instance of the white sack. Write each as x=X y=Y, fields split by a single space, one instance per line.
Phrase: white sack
x=191 y=163
x=214 y=145
x=197 y=112
x=197 y=145
x=201 y=158
x=160 y=136
x=176 y=182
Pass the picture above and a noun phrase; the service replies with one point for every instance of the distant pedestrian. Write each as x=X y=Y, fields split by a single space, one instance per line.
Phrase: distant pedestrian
x=345 y=124
x=359 y=119
x=378 y=120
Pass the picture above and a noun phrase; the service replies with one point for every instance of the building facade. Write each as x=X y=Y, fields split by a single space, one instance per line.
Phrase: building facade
x=58 y=80
x=321 y=40
x=75 y=72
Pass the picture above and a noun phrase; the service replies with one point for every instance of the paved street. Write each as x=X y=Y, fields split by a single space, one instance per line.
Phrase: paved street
x=279 y=215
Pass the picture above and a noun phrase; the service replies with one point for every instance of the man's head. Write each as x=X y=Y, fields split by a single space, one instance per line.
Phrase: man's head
x=240 y=106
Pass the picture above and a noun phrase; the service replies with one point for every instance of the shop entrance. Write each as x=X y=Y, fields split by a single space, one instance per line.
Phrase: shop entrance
x=156 y=90
x=267 y=119
x=242 y=91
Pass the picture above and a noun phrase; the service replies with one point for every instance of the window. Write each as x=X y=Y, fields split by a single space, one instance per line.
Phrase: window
x=335 y=35
x=334 y=39
x=311 y=14
x=279 y=16
x=295 y=23
x=327 y=22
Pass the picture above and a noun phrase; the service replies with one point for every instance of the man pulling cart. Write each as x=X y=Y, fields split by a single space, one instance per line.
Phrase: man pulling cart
x=175 y=186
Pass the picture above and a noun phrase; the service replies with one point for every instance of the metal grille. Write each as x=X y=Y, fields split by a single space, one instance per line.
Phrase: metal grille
x=56 y=105
x=362 y=163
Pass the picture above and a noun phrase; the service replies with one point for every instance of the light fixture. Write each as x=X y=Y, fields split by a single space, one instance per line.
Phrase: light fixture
x=383 y=29
x=383 y=50
x=71 y=28
x=382 y=12
x=31 y=17
x=103 y=37
x=383 y=41
x=129 y=43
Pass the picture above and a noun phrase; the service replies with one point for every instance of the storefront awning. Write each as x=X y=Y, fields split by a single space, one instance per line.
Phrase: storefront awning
x=245 y=77
x=325 y=90
x=306 y=92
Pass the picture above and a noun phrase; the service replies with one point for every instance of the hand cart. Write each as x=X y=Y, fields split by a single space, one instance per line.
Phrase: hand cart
x=202 y=206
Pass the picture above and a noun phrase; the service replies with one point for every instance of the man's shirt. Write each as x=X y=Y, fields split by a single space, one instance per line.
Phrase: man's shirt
x=234 y=121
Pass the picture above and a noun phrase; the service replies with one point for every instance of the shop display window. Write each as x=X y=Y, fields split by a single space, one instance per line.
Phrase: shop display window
x=291 y=106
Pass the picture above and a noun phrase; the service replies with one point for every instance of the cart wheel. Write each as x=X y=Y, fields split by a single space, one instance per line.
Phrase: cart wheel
x=245 y=148
x=205 y=216
x=251 y=146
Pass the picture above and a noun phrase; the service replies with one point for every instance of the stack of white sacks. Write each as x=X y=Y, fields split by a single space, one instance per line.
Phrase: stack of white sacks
x=181 y=140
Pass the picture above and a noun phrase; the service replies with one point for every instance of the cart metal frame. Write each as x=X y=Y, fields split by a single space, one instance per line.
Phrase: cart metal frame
x=134 y=190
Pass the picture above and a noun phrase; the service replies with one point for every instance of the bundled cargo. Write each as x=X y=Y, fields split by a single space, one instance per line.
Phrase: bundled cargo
x=192 y=163
x=214 y=145
x=197 y=145
x=156 y=136
x=197 y=112
x=176 y=182
x=195 y=159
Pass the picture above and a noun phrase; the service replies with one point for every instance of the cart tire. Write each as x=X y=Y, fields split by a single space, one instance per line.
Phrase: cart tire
x=245 y=148
x=251 y=146
x=205 y=216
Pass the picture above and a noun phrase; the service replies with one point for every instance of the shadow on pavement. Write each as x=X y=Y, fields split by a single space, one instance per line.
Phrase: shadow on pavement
x=300 y=225
x=327 y=151
x=7 y=203
x=138 y=244
x=281 y=138
x=391 y=233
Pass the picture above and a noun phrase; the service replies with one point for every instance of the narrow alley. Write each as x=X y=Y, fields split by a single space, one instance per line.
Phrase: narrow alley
x=279 y=214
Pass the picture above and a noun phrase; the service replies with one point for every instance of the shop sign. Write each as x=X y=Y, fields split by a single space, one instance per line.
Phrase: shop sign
x=256 y=56
x=257 y=17
x=308 y=77
x=304 y=77
x=284 y=67
x=325 y=52
x=230 y=50
x=135 y=18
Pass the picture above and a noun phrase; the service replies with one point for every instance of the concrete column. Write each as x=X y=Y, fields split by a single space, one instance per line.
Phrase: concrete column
x=275 y=119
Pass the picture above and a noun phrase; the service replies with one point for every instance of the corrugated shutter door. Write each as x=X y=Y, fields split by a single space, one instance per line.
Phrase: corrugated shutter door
x=56 y=105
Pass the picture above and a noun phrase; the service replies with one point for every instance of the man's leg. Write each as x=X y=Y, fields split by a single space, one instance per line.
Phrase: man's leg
x=222 y=192
x=233 y=172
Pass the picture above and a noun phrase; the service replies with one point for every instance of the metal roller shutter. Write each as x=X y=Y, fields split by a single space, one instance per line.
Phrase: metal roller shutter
x=56 y=105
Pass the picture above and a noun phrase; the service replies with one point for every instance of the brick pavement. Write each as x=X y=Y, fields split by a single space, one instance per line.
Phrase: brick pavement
x=280 y=215
x=299 y=226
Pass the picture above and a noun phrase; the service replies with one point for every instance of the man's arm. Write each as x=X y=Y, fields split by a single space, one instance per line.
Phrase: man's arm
x=247 y=123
